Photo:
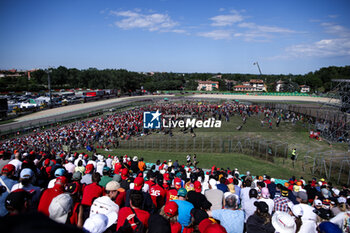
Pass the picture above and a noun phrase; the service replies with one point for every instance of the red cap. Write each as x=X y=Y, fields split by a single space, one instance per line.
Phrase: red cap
x=177 y=183
x=86 y=155
x=48 y=170
x=197 y=186
x=230 y=180
x=61 y=180
x=138 y=183
x=8 y=168
x=109 y=156
x=125 y=173
x=46 y=162
x=209 y=226
x=89 y=168
x=166 y=176
x=170 y=209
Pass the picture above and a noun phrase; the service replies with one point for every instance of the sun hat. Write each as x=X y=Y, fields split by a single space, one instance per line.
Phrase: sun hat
x=60 y=207
x=112 y=185
x=283 y=222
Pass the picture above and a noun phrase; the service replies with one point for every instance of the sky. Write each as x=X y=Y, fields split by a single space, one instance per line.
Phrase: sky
x=214 y=36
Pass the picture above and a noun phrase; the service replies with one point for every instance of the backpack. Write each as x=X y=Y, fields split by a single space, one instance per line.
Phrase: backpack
x=127 y=228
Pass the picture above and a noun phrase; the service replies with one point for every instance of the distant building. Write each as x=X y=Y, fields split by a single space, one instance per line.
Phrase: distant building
x=207 y=85
x=279 y=86
x=304 y=89
x=257 y=83
x=252 y=85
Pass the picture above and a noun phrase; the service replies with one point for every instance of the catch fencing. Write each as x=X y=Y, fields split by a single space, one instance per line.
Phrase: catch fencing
x=264 y=149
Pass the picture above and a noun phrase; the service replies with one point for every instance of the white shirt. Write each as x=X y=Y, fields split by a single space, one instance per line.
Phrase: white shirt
x=309 y=219
x=109 y=162
x=70 y=167
x=99 y=167
x=339 y=219
x=270 y=203
x=249 y=208
x=17 y=163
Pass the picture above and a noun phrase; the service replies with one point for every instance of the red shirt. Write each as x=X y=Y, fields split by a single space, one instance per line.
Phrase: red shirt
x=117 y=168
x=124 y=212
x=47 y=197
x=171 y=195
x=120 y=200
x=91 y=192
x=150 y=183
x=158 y=195
x=175 y=227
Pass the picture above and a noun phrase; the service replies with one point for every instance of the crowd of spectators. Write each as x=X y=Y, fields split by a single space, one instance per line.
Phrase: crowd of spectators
x=91 y=193
x=106 y=131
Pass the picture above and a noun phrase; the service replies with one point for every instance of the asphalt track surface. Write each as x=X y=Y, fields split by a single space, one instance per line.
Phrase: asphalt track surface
x=51 y=115
x=72 y=110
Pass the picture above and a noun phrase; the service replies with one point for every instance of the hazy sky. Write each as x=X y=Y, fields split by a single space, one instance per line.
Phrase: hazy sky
x=225 y=36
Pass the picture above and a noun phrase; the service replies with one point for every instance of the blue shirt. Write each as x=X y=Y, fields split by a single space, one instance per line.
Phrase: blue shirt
x=184 y=209
x=231 y=220
x=9 y=183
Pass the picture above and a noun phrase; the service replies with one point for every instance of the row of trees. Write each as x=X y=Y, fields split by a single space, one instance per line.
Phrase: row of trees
x=64 y=78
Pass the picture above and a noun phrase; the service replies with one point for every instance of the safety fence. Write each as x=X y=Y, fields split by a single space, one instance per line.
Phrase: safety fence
x=264 y=149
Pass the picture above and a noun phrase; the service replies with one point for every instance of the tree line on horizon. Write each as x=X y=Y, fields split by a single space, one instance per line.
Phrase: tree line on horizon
x=124 y=80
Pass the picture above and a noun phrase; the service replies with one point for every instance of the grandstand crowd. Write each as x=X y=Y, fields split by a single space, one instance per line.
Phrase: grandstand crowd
x=106 y=132
x=42 y=192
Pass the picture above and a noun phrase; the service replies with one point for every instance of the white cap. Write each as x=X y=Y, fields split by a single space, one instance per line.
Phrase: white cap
x=98 y=223
x=60 y=207
x=104 y=205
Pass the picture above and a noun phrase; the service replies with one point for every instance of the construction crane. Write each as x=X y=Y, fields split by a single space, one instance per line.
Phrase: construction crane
x=257 y=64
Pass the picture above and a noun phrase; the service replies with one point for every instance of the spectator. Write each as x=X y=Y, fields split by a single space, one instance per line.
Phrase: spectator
x=6 y=184
x=133 y=216
x=87 y=178
x=17 y=202
x=281 y=203
x=60 y=208
x=283 y=222
x=106 y=204
x=17 y=162
x=248 y=206
x=79 y=167
x=260 y=221
x=70 y=167
x=229 y=213
x=198 y=200
x=214 y=195
x=106 y=177
x=170 y=212
x=184 y=208
x=25 y=182
x=50 y=194
x=265 y=197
